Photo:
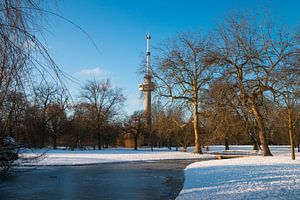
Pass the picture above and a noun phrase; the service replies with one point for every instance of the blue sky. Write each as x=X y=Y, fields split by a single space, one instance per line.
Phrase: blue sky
x=118 y=27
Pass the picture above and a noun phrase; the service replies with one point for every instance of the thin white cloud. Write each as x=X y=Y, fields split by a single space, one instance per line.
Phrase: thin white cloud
x=94 y=72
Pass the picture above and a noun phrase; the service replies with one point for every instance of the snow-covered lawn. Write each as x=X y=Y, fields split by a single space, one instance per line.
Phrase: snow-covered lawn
x=54 y=157
x=276 y=177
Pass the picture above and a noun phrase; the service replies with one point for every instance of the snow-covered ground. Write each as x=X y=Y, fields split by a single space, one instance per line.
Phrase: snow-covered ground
x=54 y=157
x=258 y=177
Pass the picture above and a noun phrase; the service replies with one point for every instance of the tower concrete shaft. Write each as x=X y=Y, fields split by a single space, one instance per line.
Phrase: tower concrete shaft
x=147 y=87
x=148 y=103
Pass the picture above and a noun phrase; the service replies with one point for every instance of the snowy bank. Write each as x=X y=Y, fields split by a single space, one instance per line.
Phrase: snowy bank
x=276 y=177
x=55 y=157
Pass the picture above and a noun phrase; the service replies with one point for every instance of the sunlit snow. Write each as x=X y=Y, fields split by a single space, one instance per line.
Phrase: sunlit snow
x=258 y=177
x=81 y=157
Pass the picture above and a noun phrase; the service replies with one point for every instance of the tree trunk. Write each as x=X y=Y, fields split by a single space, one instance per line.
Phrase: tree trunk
x=75 y=144
x=196 y=130
x=226 y=143
x=261 y=131
x=99 y=139
x=298 y=142
x=54 y=141
x=256 y=145
x=135 y=137
x=170 y=143
x=291 y=133
x=151 y=139
x=99 y=132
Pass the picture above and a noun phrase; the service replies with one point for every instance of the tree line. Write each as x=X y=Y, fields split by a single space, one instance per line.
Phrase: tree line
x=241 y=78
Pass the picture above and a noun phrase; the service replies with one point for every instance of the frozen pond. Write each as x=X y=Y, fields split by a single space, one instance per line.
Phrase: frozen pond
x=133 y=180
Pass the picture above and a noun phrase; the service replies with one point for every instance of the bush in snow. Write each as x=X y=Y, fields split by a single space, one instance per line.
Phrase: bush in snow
x=8 y=153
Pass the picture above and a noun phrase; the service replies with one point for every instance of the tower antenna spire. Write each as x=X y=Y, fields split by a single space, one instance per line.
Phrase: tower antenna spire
x=148 y=38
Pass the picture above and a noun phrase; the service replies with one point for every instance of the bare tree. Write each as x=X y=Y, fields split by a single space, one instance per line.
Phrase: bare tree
x=80 y=134
x=57 y=121
x=181 y=73
x=51 y=103
x=287 y=83
x=221 y=104
x=136 y=126
x=106 y=102
x=170 y=122
x=23 y=56
x=250 y=52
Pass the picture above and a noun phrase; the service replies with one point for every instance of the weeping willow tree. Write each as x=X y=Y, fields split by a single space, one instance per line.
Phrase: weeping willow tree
x=24 y=60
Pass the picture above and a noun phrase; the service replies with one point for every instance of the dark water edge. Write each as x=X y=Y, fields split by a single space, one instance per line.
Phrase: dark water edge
x=132 y=180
